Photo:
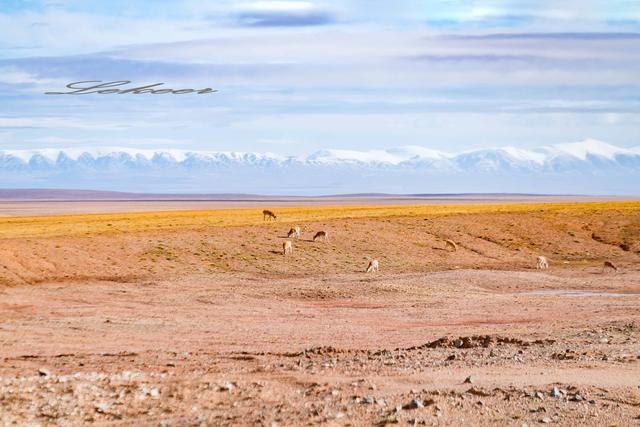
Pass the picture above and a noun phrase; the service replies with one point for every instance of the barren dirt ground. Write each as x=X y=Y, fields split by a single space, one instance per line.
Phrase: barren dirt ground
x=213 y=326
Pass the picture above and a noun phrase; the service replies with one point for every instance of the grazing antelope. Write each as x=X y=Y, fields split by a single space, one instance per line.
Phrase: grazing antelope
x=373 y=266
x=295 y=232
x=450 y=244
x=267 y=214
x=609 y=265
x=542 y=262
x=287 y=247
x=321 y=234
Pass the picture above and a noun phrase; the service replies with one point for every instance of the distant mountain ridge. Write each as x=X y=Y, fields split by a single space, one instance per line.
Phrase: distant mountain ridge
x=563 y=168
x=48 y=194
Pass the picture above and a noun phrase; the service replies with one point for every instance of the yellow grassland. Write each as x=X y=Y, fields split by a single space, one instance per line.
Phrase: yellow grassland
x=92 y=224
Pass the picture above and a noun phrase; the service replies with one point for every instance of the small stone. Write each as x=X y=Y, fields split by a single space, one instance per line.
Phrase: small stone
x=336 y=416
x=577 y=398
x=555 y=392
x=452 y=357
x=367 y=400
x=226 y=386
x=539 y=395
x=44 y=372
x=102 y=407
x=458 y=343
x=468 y=380
x=546 y=420
x=524 y=425
x=164 y=423
x=414 y=404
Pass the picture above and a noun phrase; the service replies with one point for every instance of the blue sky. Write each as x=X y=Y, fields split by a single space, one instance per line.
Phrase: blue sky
x=298 y=76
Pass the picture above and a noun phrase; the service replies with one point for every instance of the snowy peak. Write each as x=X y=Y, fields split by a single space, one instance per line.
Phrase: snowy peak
x=393 y=156
x=591 y=166
x=589 y=147
x=558 y=158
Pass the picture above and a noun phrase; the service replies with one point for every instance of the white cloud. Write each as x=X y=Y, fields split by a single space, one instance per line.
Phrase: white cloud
x=53 y=123
x=276 y=6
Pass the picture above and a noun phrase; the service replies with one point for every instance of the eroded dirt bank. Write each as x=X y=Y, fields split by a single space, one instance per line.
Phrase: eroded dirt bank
x=151 y=246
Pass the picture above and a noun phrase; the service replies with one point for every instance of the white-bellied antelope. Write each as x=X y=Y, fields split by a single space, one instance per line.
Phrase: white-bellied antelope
x=295 y=232
x=321 y=235
x=609 y=265
x=542 y=262
x=450 y=244
x=268 y=215
x=287 y=247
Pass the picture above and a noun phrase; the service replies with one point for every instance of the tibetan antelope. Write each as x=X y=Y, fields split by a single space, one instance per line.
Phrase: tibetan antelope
x=267 y=214
x=609 y=265
x=373 y=266
x=542 y=262
x=287 y=247
x=295 y=232
x=321 y=235
x=450 y=244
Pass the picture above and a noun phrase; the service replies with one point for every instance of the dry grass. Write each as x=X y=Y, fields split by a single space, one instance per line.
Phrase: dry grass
x=94 y=224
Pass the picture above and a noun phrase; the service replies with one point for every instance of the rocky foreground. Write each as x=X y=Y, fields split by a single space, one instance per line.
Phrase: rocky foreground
x=588 y=377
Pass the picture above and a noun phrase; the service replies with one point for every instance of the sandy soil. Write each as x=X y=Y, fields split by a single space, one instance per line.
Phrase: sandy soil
x=214 y=327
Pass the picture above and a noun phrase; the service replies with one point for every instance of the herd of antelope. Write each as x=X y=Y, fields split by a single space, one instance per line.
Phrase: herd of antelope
x=373 y=266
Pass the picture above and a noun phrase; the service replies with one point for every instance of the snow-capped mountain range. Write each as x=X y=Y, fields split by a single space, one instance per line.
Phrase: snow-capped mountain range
x=588 y=167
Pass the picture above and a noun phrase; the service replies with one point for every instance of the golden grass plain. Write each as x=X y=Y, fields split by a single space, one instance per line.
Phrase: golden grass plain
x=134 y=222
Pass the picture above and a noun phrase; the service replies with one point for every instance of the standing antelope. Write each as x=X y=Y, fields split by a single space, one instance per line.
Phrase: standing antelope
x=321 y=234
x=287 y=247
x=295 y=232
x=542 y=262
x=267 y=214
x=450 y=244
x=609 y=265
x=373 y=266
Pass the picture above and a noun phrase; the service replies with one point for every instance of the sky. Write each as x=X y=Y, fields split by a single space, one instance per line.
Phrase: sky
x=294 y=77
